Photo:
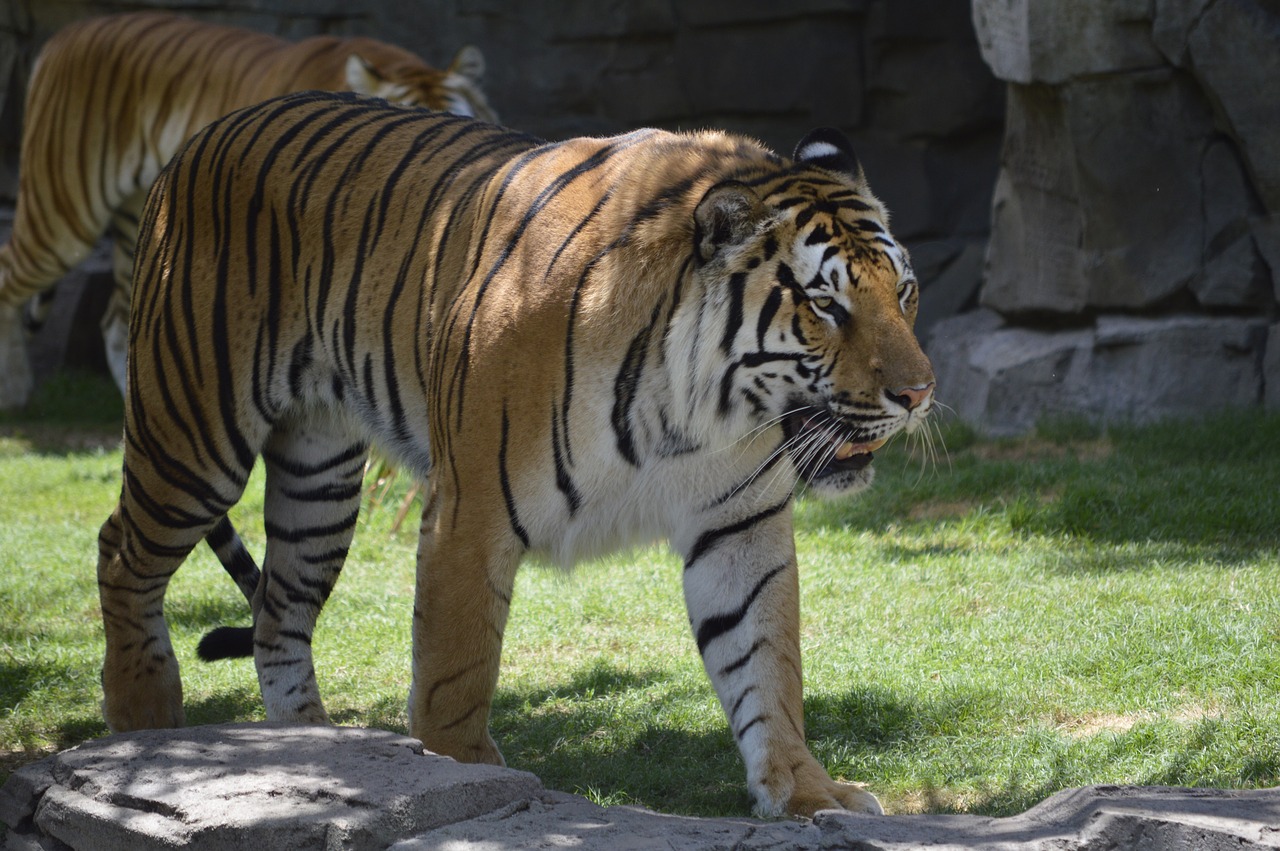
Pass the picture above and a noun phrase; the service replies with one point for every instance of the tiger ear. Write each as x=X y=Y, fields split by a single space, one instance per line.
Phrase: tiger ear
x=361 y=76
x=726 y=215
x=828 y=148
x=469 y=64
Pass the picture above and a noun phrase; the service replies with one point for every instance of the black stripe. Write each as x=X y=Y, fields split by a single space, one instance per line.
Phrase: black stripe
x=751 y=360
x=754 y=721
x=743 y=659
x=774 y=457
x=737 y=704
x=221 y=533
x=306 y=533
x=531 y=210
x=505 y=481
x=625 y=385
x=338 y=554
x=737 y=288
x=768 y=310
x=563 y=480
x=327 y=492
x=301 y=469
x=714 y=627
x=711 y=537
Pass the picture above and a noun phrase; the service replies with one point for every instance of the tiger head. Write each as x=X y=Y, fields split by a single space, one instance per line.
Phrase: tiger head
x=819 y=305
x=402 y=78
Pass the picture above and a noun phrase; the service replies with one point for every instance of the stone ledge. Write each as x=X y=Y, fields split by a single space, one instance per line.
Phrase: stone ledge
x=280 y=787
x=1002 y=378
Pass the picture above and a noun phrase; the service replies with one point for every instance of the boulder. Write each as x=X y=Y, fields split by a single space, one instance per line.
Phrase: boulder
x=1240 y=81
x=1004 y=379
x=239 y=786
x=1271 y=370
x=1118 y=192
x=950 y=274
x=1048 y=41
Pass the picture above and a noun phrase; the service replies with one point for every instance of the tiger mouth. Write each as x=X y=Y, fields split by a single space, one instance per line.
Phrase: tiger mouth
x=822 y=445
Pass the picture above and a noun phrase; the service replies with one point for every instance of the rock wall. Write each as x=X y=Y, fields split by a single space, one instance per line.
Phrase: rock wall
x=1139 y=187
x=906 y=81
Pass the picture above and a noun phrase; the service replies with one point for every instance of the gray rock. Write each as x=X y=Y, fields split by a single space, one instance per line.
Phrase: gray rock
x=558 y=820
x=1271 y=370
x=250 y=785
x=1088 y=819
x=1004 y=379
x=1001 y=379
x=1266 y=235
x=1047 y=41
x=282 y=788
x=1232 y=274
x=1240 y=79
x=949 y=284
x=1171 y=26
x=1101 y=200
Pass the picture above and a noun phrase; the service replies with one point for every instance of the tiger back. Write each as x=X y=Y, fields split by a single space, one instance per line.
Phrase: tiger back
x=576 y=346
x=112 y=99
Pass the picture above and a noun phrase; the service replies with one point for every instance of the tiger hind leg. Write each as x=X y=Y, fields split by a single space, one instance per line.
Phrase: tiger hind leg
x=144 y=541
x=16 y=381
x=115 y=320
x=315 y=470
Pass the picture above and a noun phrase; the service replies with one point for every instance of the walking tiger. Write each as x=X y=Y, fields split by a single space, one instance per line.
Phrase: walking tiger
x=576 y=345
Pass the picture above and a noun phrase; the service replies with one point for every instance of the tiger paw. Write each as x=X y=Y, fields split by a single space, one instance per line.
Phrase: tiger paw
x=481 y=749
x=835 y=796
x=807 y=788
x=149 y=701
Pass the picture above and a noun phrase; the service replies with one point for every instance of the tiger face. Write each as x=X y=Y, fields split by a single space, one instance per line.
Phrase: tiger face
x=458 y=90
x=831 y=356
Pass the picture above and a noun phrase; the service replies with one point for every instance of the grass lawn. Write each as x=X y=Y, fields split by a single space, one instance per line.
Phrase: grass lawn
x=1069 y=608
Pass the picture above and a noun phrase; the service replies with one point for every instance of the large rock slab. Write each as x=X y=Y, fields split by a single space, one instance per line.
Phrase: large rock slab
x=1092 y=818
x=241 y=786
x=1048 y=41
x=1237 y=79
x=1004 y=379
x=262 y=786
x=1116 y=193
x=1271 y=370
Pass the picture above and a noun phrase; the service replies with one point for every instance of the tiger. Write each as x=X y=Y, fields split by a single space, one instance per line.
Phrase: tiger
x=112 y=99
x=576 y=346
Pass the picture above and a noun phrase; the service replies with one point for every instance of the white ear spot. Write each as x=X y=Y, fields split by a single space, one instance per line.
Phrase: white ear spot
x=817 y=150
x=361 y=76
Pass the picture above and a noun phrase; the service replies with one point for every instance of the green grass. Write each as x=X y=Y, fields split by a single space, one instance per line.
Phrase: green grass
x=1078 y=606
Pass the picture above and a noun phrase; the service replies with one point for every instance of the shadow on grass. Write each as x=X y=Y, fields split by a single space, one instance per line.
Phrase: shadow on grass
x=202 y=613
x=71 y=413
x=20 y=679
x=1184 y=766
x=600 y=734
x=1202 y=486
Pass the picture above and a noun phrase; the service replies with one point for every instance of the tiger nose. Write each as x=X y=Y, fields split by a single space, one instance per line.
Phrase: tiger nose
x=911 y=397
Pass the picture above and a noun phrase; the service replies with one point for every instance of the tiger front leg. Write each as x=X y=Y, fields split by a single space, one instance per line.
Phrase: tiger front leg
x=742 y=592
x=466 y=571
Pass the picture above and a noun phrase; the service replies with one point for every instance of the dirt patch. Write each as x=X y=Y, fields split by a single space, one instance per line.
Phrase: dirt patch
x=16 y=440
x=1094 y=723
x=920 y=801
x=12 y=760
